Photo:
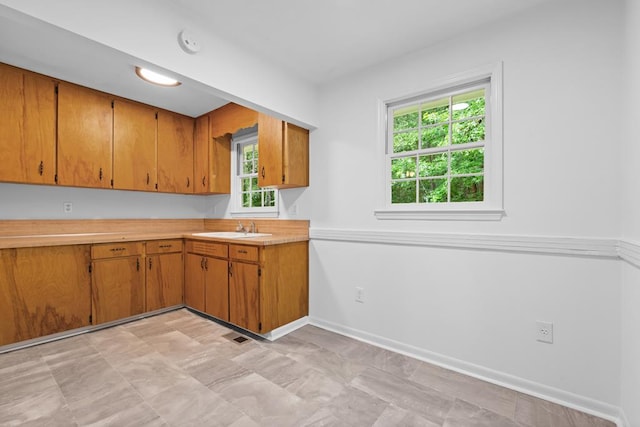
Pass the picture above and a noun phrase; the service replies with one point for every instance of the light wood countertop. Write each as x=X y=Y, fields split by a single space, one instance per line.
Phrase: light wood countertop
x=27 y=233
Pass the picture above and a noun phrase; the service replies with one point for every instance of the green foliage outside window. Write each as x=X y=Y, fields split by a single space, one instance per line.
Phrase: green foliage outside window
x=438 y=168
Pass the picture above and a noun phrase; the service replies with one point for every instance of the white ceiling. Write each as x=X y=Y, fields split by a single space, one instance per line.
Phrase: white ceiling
x=318 y=40
x=323 y=39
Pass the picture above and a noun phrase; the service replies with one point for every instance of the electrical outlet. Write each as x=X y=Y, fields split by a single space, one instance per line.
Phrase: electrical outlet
x=67 y=207
x=359 y=294
x=544 y=331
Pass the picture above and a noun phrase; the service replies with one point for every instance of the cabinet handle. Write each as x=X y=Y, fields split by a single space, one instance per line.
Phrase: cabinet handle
x=262 y=172
x=41 y=168
x=138 y=264
x=202 y=264
x=203 y=181
x=117 y=249
x=206 y=264
x=147 y=178
x=230 y=270
x=149 y=263
x=242 y=251
x=165 y=246
x=188 y=182
x=100 y=174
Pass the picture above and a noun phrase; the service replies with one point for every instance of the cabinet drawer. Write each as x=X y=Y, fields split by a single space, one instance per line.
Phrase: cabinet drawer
x=220 y=250
x=243 y=253
x=164 y=246
x=113 y=250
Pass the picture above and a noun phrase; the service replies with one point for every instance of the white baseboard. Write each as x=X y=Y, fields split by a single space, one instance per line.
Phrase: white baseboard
x=561 y=397
x=286 y=329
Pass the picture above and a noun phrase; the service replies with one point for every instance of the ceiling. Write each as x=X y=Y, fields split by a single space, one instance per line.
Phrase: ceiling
x=316 y=40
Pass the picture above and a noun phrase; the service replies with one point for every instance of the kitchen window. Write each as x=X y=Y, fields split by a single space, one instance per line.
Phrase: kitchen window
x=443 y=151
x=250 y=199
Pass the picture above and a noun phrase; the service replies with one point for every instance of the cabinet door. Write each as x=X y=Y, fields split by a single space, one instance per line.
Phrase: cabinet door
x=194 y=282
x=118 y=288
x=43 y=291
x=175 y=153
x=212 y=169
x=217 y=288
x=85 y=126
x=134 y=146
x=270 y=166
x=165 y=281
x=295 y=156
x=27 y=127
x=201 y=155
x=244 y=291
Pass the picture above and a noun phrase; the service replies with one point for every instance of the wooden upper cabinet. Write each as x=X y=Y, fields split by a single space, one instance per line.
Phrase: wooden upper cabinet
x=231 y=118
x=134 y=146
x=175 y=153
x=283 y=154
x=85 y=125
x=27 y=127
x=212 y=157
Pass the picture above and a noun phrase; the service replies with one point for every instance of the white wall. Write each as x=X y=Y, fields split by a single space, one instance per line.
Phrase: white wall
x=630 y=298
x=20 y=201
x=562 y=90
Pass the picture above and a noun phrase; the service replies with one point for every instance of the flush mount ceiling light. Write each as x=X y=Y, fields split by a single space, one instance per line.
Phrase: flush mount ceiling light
x=155 y=78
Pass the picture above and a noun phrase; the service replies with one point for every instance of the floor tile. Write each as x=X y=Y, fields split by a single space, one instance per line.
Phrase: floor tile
x=181 y=369
x=406 y=394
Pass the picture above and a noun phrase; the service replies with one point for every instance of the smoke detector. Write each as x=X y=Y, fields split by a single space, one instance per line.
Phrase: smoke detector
x=188 y=43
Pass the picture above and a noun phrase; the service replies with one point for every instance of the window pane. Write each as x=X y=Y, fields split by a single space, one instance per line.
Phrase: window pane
x=247 y=168
x=405 y=118
x=404 y=167
x=254 y=184
x=433 y=191
x=435 y=111
x=403 y=192
x=470 y=104
x=468 y=131
x=433 y=165
x=246 y=200
x=405 y=141
x=246 y=184
x=467 y=161
x=269 y=198
x=437 y=136
x=256 y=199
x=467 y=189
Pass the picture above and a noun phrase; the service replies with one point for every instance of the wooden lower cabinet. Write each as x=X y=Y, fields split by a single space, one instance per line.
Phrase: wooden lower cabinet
x=117 y=281
x=263 y=287
x=164 y=275
x=244 y=293
x=43 y=291
x=206 y=285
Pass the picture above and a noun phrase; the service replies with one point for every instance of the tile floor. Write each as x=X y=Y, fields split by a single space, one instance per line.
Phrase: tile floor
x=179 y=369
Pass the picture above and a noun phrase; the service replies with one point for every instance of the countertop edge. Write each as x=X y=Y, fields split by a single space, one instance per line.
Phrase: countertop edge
x=43 y=240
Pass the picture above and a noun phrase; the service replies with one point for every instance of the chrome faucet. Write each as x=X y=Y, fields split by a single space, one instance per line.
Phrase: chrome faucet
x=253 y=227
x=240 y=227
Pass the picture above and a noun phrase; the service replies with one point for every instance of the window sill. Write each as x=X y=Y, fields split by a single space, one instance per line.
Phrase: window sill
x=254 y=214
x=441 y=214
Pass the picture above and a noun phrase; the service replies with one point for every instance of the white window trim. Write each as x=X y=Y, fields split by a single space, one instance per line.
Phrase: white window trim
x=238 y=211
x=492 y=208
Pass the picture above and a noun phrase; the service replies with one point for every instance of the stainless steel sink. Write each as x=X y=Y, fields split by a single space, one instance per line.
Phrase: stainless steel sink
x=230 y=234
